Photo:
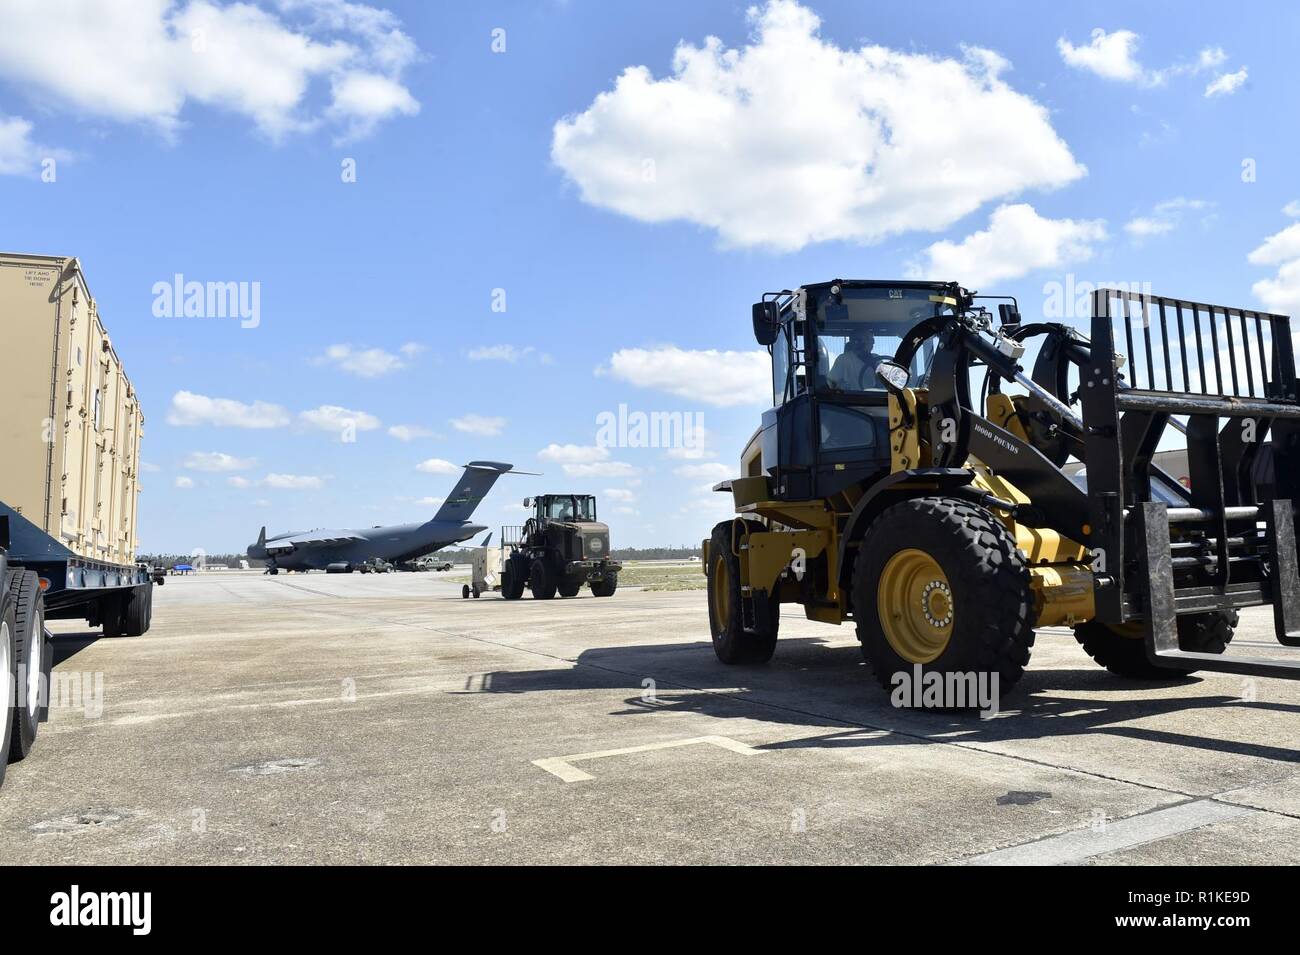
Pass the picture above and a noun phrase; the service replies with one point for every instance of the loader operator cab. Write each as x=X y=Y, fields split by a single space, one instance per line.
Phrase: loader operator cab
x=828 y=428
x=565 y=507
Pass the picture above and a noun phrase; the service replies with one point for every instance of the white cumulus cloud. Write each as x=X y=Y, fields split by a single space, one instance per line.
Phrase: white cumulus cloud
x=338 y=420
x=148 y=61
x=183 y=481
x=1225 y=84
x=293 y=482
x=720 y=378
x=1281 y=293
x=188 y=408
x=216 y=461
x=604 y=469
x=19 y=153
x=792 y=139
x=362 y=362
x=714 y=471
x=578 y=460
x=409 y=432
x=1017 y=241
x=485 y=425
x=510 y=353
x=573 y=453
x=1164 y=218
x=437 y=466
x=1112 y=56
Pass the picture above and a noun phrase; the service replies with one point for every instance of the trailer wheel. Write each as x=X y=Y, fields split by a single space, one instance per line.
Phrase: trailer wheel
x=541 y=581
x=731 y=641
x=939 y=585
x=128 y=615
x=8 y=674
x=569 y=588
x=29 y=656
x=464 y=592
x=512 y=583
x=604 y=588
x=1122 y=649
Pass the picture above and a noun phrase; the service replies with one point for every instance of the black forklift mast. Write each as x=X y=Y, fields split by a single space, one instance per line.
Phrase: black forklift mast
x=1231 y=373
x=1159 y=550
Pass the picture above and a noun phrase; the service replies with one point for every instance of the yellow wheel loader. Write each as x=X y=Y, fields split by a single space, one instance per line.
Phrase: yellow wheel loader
x=896 y=484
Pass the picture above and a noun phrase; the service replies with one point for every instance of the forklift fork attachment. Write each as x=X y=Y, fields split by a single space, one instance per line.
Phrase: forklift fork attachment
x=1161 y=627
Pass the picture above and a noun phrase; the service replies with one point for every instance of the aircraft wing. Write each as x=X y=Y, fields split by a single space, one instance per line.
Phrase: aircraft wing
x=311 y=539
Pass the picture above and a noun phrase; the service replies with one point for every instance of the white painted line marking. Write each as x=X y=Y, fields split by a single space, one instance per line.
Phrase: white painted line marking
x=563 y=767
x=1069 y=848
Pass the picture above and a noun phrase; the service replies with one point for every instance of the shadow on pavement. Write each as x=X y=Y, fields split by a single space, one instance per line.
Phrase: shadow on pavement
x=810 y=683
x=68 y=645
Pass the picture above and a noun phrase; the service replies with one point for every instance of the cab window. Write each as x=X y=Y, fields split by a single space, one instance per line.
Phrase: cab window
x=865 y=327
x=780 y=366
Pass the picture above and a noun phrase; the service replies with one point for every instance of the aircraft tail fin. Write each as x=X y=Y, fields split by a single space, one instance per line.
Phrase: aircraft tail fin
x=472 y=487
x=487 y=540
x=261 y=537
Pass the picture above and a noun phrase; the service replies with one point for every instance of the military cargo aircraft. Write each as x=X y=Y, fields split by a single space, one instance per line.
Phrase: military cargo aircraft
x=343 y=551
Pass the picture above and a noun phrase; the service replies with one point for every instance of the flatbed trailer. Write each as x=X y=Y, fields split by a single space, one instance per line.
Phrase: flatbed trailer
x=69 y=482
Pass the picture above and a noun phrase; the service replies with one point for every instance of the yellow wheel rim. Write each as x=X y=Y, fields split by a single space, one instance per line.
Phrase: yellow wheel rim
x=914 y=603
x=721 y=593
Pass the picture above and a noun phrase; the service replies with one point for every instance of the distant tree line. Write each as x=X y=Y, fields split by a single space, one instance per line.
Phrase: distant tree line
x=209 y=560
x=655 y=553
x=457 y=555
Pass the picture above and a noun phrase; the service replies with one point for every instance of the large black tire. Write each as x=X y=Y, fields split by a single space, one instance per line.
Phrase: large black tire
x=606 y=587
x=1123 y=651
x=8 y=674
x=512 y=583
x=135 y=611
x=29 y=648
x=568 y=587
x=981 y=588
x=541 y=582
x=731 y=641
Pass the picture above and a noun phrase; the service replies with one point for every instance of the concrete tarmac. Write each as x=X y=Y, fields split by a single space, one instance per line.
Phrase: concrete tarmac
x=384 y=719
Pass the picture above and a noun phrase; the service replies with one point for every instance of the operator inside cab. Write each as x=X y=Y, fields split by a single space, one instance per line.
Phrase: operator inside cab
x=855 y=368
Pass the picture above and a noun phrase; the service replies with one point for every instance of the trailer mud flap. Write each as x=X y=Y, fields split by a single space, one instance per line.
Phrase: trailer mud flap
x=1161 y=627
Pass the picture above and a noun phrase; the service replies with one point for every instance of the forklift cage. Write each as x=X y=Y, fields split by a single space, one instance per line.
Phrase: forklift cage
x=1231 y=373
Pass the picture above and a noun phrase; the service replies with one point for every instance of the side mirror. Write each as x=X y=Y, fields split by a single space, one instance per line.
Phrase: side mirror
x=892 y=375
x=528 y=502
x=767 y=322
x=1009 y=314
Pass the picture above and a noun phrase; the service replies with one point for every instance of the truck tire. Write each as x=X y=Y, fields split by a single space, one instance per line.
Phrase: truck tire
x=127 y=615
x=732 y=643
x=1122 y=649
x=8 y=675
x=541 y=581
x=512 y=582
x=604 y=588
x=939 y=584
x=30 y=657
x=464 y=592
x=568 y=587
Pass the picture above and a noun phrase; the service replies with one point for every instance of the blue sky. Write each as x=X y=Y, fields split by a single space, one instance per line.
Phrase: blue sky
x=1111 y=157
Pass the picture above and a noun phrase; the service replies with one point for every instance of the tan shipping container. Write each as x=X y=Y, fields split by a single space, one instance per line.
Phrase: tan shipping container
x=71 y=424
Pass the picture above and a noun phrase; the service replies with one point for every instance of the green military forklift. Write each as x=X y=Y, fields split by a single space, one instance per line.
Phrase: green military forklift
x=560 y=548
